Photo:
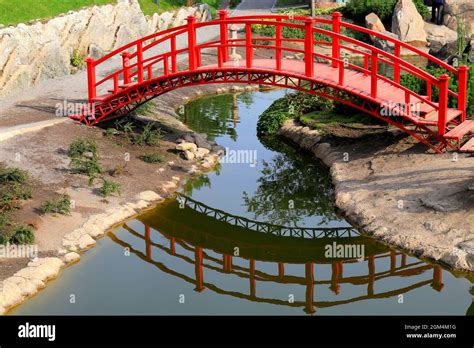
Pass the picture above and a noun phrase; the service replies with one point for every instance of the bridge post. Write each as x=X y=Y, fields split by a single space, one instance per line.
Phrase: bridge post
x=125 y=65
x=248 y=45
x=396 y=64
x=224 y=34
x=148 y=241
x=336 y=48
x=462 y=90
x=374 y=67
x=198 y=269
x=281 y=270
x=253 y=281
x=140 y=62
x=443 y=81
x=309 y=47
x=191 y=42
x=309 y=288
x=278 y=43
x=91 y=79
x=174 y=65
x=370 y=285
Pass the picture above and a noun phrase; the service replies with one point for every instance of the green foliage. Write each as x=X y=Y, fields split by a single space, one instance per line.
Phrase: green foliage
x=58 y=205
x=151 y=158
x=149 y=136
x=109 y=187
x=18 y=234
x=22 y=234
x=9 y=175
x=358 y=9
x=84 y=158
x=290 y=106
x=281 y=3
x=234 y=3
x=80 y=146
x=77 y=59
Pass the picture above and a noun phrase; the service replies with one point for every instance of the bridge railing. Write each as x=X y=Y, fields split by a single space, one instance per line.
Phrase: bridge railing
x=142 y=59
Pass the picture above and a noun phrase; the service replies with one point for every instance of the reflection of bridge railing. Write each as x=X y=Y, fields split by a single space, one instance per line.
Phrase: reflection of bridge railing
x=203 y=260
x=264 y=227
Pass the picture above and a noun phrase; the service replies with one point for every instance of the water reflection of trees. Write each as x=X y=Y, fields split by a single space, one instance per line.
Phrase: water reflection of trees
x=216 y=115
x=290 y=177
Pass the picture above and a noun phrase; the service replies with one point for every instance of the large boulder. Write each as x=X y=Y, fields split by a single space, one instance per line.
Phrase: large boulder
x=456 y=9
x=408 y=24
x=373 y=22
x=441 y=38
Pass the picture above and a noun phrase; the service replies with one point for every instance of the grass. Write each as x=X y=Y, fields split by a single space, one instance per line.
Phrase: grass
x=109 y=188
x=281 y=3
x=59 y=205
x=14 y=188
x=151 y=158
x=22 y=11
x=323 y=119
x=149 y=136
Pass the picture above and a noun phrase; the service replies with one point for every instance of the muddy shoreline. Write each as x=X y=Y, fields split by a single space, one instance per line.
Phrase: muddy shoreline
x=394 y=191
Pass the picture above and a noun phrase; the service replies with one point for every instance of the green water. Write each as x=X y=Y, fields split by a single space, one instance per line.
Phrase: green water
x=250 y=240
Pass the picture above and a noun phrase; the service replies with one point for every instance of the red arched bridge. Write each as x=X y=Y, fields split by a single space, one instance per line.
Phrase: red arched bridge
x=144 y=70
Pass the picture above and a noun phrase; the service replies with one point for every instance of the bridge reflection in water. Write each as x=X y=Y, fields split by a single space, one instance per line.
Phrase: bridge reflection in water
x=209 y=245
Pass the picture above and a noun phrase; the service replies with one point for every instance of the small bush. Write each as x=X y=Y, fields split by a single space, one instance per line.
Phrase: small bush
x=149 y=136
x=151 y=158
x=110 y=187
x=87 y=166
x=22 y=234
x=59 y=205
x=77 y=59
x=80 y=146
x=13 y=175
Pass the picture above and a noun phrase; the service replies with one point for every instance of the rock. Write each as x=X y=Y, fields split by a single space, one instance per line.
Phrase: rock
x=408 y=24
x=439 y=37
x=218 y=149
x=85 y=242
x=71 y=257
x=385 y=45
x=188 y=155
x=187 y=147
x=456 y=9
x=149 y=196
x=373 y=22
x=188 y=138
x=201 y=141
x=201 y=152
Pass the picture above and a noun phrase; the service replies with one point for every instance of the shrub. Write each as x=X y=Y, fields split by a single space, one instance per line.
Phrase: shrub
x=80 y=146
x=87 y=166
x=59 y=205
x=234 y=3
x=110 y=187
x=293 y=105
x=149 y=136
x=22 y=234
x=77 y=59
x=13 y=175
x=151 y=158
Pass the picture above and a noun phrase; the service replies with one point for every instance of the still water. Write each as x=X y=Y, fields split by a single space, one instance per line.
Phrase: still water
x=249 y=238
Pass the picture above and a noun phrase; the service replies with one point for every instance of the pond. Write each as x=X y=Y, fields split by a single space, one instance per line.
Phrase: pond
x=253 y=237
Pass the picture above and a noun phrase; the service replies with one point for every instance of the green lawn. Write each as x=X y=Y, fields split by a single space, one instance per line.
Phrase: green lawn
x=22 y=11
